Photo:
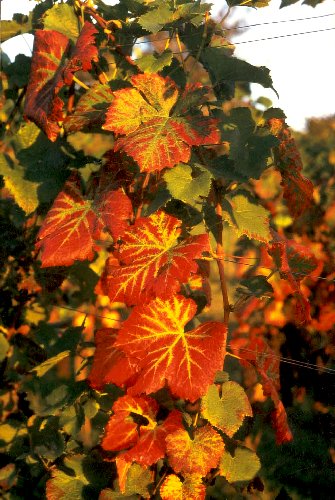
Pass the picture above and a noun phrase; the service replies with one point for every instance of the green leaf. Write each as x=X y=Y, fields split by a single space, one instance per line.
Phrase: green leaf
x=138 y=479
x=242 y=467
x=18 y=71
x=23 y=191
x=226 y=411
x=71 y=420
x=43 y=368
x=184 y=187
x=224 y=67
x=250 y=147
x=257 y=286
x=63 y=19
x=246 y=216
x=8 y=29
x=154 y=20
x=46 y=438
x=4 y=347
x=152 y=63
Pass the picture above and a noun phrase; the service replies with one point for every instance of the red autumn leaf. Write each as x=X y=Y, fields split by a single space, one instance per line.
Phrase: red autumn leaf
x=298 y=190
x=151 y=445
x=74 y=222
x=294 y=262
x=133 y=425
x=42 y=105
x=49 y=74
x=156 y=135
x=110 y=365
x=194 y=456
x=257 y=352
x=152 y=261
x=154 y=337
x=83 y=53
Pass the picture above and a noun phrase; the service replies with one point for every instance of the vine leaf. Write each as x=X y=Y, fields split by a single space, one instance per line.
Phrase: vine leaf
x=49 y=73
x=154 y=20
x=226 y=411
x=62 y=18
x=133 y=427
x=191 y=488
x=24 y=191
x=246 y=216
x=73 y=223
x=243 y=466
x=154 y=337
x=184 y=187
x=294 y=262
x=90 y=110
x=42 y=104
x=155 y=136
x=152 y=63
x=135 y=479
x=298 y=190
x=256 y=352
x=194 y=456
x=110 y=365
x=152 y=261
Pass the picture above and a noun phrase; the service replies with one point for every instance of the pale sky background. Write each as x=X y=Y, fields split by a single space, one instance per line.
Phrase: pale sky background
x=302 y=67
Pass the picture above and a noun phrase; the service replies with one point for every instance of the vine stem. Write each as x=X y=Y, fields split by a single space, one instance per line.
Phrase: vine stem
x=219 y=262
x=144 y=186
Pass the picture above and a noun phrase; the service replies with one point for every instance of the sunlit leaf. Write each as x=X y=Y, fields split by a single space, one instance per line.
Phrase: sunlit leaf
x=62 y=18
x=184 y=187
x=194 y=456
x=152 y=63
x=156 y=137
x=133 y=427
x=243 y=466
x=191 y=488
x=74 y=222
x=226 y=409
x=246 y=216
x=154 y=337
x=110 y=365
x=152 y=261
x=44 y=367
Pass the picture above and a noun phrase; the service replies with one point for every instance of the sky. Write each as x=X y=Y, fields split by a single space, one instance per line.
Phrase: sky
x=302 y=66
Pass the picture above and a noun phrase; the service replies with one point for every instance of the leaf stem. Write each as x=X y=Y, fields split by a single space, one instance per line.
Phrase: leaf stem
x=219 y=259
x=80 y=83
x=144 y=185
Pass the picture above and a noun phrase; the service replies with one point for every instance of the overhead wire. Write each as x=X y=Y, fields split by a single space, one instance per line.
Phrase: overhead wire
x=283 y=359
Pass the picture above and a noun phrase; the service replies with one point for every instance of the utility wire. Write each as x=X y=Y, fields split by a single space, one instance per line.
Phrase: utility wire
x=235 y=43
x=301 y=364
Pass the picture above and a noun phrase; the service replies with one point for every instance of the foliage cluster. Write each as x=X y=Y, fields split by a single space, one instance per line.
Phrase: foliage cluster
x=134 y=181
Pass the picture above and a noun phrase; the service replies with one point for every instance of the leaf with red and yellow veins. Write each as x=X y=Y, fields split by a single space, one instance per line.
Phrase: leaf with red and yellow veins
x=194 y=456
x=42 y=105
x=191 y=488
x=49 y=74
x=294 y=262
x=155 y=136
x=83 y=53
x=258 y=353
x=73 y=223
x=152 y=261
x=154 y=337
x=110 y=365
x=133 y=426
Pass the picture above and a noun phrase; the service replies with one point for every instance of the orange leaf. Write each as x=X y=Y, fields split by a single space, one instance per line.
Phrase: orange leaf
x=152 y=261
x=194 y=456
x=156 y=136
x=153 y=336
x=190 y=489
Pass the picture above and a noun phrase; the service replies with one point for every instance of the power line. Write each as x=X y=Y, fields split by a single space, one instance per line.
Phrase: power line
x=299 y=363
x=233 y=28
x=238 y=43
